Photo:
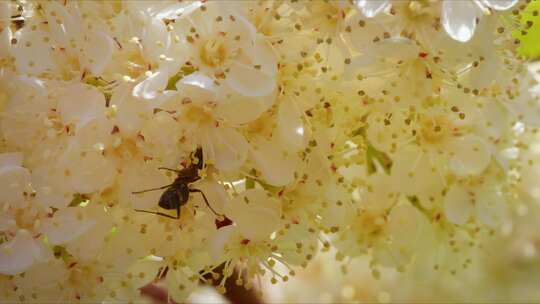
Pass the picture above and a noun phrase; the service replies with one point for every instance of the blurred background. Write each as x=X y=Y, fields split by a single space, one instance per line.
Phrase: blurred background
x=506 y=269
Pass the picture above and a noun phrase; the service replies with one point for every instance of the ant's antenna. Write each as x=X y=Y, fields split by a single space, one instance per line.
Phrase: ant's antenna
x=157 y=213
x=153 y=189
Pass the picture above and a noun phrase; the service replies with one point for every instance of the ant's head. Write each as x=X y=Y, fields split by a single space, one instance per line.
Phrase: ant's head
x=198 y=158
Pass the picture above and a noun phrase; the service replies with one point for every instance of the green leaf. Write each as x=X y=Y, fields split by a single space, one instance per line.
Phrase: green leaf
x=101 y=84
x=97 y=82
x=359 y=132
x=79 y=200
x=529 y=32
x=373 y=155
x=184 y=71
x=250 y=183
x=416 y=203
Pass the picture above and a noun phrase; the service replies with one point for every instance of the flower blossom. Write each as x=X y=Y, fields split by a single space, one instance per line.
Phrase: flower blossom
x=459 y=18
x=165 y=145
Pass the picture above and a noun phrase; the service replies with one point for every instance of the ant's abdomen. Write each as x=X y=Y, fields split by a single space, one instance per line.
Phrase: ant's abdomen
x=170 y=199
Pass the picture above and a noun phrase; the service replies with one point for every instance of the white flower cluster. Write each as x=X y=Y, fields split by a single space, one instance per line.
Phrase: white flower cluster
x=381 y=128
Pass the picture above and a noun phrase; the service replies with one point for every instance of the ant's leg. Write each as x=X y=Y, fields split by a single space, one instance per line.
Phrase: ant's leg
x=158 y=213
x=158 y=275
x=173 y=170
x=205 y=200
x=162 y=272
x=153 y=189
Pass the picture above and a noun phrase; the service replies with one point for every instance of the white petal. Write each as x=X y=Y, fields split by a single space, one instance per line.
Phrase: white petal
x=132 y=112
x=529 y=178
x=288 y=243
x=31 y=87
x=228 y=148
x=20 y=253
x=11 y=159
x=370 y=8
x=361 y=38
x=403 y=224
x=51 y=187
x=249 y=81
x=381 y=198
x=80 y=103
x=414 y=173
x=32 y=54
x=155 y=39
x=5 y=42
x=527 y=108
x=96 y=52
x=290 y=126
x=152 y=86
x=14 y=181
x=404 y=229
x=470 y=155
x=66 y=225
x=261 y=54
x=459 y=19
x=386 y=48
x=335 y=213
x=458 y=206
x=386 y=137
x=197 y=80
x=45 y=276
x=7 y=222
x=500 y=5
x=276 y=165
x=62 y=25
x=178 y=10
x=157 y=134
x=149 y=268
x=5 y=10
x=97 y=130
x=89 y=171
x=334 y=57
x=242 y=27
x=180 y=283
x=491 y=207
x=497 y=120
x=238 y=109
x=217 y=242
x=255 y=213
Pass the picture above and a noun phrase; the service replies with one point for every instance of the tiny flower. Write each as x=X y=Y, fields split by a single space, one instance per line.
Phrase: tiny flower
x=459 y=18
x=66 y=225
x=14 y=178
x=485 y=203
x=229 y=50
x=71 y=38
x=255 y=213
x=21 y=252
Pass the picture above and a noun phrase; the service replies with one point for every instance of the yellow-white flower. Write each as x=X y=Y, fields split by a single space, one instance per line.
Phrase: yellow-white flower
x=225 y=46
x=255 y=213
x=485 y=203
x=65 y=44
x=459 y=18
x=359 y=125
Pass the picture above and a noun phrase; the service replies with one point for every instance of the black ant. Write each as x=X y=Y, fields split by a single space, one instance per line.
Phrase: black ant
x=177 y=193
